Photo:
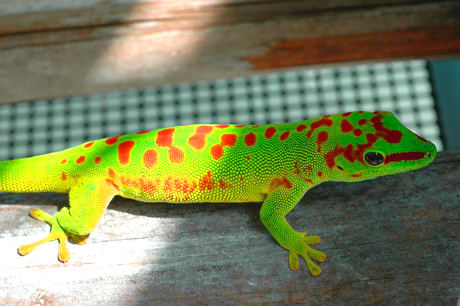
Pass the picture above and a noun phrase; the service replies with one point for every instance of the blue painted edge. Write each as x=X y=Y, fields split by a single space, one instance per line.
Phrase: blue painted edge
x=445 y=78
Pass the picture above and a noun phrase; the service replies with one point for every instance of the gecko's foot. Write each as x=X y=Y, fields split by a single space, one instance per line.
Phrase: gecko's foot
x=301 y=246
x=56 y=233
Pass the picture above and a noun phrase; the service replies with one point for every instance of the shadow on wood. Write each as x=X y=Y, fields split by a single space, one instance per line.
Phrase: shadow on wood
x=393 y=240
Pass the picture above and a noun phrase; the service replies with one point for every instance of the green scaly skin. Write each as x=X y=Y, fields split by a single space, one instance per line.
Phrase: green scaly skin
x=273 y=164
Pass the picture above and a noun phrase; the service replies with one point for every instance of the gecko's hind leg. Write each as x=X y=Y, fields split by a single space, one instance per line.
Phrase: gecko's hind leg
x=56 y=233
x=88 y=201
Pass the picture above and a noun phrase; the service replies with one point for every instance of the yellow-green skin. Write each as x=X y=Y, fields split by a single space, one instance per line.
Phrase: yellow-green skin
x=273 y=164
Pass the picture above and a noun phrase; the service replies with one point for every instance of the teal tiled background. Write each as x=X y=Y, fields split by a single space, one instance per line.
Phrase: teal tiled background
x=404 y=88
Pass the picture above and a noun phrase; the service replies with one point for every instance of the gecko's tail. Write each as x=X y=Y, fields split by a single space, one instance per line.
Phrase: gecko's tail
x=34 y=174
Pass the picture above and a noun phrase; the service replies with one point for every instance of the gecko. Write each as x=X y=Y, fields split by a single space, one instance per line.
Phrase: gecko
x=275 y=164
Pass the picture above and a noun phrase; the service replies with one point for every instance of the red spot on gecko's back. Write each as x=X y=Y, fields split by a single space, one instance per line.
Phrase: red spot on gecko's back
x=204 y=129
x=250 y=139
x=143 y=132
x=217 y=151
x=89 y=144
x=63 y=176
x=346 y=126
x=228 y=140
x=300 y=128
x=315 y=125
x=270 y=132
x=111 y=141
x=150 y=158
x=165 y=138
x=285 y=135
x=322 y=138
x=64 y=161
x=98 y=160
x=124 y=151
x=198 y=141
x=222 y=126
x=80 y=160
x=346 y=114
x=176 y=155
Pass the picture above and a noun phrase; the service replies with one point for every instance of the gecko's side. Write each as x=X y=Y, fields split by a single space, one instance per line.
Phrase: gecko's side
x=273 y=164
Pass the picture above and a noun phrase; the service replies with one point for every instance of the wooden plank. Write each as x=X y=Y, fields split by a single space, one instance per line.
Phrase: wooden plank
x=363 y=47
x=393 y=240
x=22 y=16
x=72 y=48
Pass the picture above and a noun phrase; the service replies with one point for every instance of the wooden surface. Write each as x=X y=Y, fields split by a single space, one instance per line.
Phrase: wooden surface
x=52 y=49
x=394 y=240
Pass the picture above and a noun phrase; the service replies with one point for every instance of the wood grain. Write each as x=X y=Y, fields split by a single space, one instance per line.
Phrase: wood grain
x=364 y=47
x=63 y=48
x=390 y=241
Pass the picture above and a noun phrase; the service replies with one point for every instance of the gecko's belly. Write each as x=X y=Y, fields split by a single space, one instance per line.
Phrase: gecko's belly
x=196 y=196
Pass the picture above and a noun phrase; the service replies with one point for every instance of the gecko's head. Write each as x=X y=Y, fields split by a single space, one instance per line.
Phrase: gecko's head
x=375 y=144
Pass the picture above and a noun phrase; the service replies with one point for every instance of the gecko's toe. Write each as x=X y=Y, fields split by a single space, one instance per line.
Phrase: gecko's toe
x=40 y=215
x=79 y=239
x=64 y=254
x=312 y=240
x=315 y=254
x=56 y=233
x=301 y=246
x=315 y=270
x=293 y=261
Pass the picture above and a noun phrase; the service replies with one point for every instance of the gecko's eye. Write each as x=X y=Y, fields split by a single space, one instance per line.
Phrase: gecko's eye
x=374 y=158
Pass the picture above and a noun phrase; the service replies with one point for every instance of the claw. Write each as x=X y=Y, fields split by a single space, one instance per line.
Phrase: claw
x=56 y=233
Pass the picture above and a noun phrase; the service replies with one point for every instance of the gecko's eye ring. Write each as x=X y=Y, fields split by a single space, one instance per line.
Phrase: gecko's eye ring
x=374 y=158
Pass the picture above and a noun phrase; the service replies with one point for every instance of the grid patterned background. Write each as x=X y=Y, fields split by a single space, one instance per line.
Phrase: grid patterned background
x=404 y=88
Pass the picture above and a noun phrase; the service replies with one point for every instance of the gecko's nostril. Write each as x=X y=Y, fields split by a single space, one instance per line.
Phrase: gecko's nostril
x=429 y=155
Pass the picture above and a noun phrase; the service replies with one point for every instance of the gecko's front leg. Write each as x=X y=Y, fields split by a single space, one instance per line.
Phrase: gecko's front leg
x=280 y=201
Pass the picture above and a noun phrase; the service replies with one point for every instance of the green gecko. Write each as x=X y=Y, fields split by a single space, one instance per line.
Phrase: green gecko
x=273 y=164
